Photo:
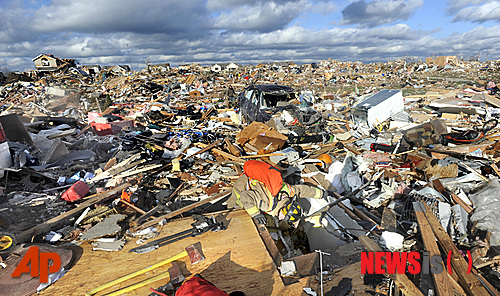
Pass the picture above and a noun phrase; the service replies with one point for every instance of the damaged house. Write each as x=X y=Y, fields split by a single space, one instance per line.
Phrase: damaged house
x=48 y=63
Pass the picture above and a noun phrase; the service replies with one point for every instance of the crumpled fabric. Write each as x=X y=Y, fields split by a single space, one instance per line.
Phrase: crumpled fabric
x=335 y=175
x=354 y=166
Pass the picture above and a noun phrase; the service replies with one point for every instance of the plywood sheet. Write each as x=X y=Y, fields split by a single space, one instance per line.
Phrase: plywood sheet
x=236 y=259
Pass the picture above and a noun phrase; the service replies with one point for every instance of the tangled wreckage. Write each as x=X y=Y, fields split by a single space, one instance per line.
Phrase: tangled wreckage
x=126 y=176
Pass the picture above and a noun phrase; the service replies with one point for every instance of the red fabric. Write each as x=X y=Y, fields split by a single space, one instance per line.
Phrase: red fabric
x=198 y=287
x=265 y=173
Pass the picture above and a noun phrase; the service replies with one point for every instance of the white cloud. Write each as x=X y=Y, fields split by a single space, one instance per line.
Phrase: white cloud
x=260 y=16
x=475 y=11
x=379 y=12
x=111 y=32
x=456 y=5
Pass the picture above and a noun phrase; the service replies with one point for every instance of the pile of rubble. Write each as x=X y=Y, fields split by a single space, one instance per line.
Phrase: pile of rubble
x=407 y=152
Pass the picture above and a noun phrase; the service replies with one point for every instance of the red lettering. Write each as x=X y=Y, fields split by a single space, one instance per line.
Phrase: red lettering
x=396 y=262
x=23 y=267
x=379 y=263
x=367 y=262
x=46 y=269
x=414 y=266
x=38 y=266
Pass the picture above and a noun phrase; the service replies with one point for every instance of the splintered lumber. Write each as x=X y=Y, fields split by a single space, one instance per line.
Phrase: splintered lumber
x=441 y=281
x=47 y=225
x=402 y=281
x=352 y=149
x=468 y=281
x=182 y=210
x=234 y=151
x=225 y=154
x=440 y=188
x=495 y=168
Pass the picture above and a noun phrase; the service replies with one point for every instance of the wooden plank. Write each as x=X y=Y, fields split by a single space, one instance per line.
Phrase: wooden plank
x=495 y=168
x=469 y=282
x=133 y=207
x=138 y=171
x=250 y=147
x=493 y=290
x=116 y=169
x=440 y=188
x=270 y=245
x=456 y=287
x=475 y=172
x=62 y=134
x=441 y=281
x=402 y=281
x=234 y=151
x=225 y=154
x=352 y=149
x=205 y=148
x=262 y=155
x=47 y=225
x=182 y=210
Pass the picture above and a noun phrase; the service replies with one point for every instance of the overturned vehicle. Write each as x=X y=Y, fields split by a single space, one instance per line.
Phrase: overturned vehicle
x=292 y=117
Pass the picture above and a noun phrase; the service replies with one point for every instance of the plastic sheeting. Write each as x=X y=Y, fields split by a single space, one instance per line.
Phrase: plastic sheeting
x=487 y=210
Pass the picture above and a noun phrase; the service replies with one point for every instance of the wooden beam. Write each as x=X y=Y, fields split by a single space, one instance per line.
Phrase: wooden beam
x=495 y=168
x=475 y=172
x=182 y=210
x=401 y=280
x=493 y=291
x=469 y=282
x=456 y=287
x=441 y=281
x=133 y=207
x=270 y=245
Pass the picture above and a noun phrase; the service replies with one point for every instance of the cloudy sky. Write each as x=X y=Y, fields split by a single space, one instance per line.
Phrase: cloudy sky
x=110 y=32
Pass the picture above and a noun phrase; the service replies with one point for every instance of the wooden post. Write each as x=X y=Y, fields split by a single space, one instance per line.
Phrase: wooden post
x=469 y=282
x=441 y=281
